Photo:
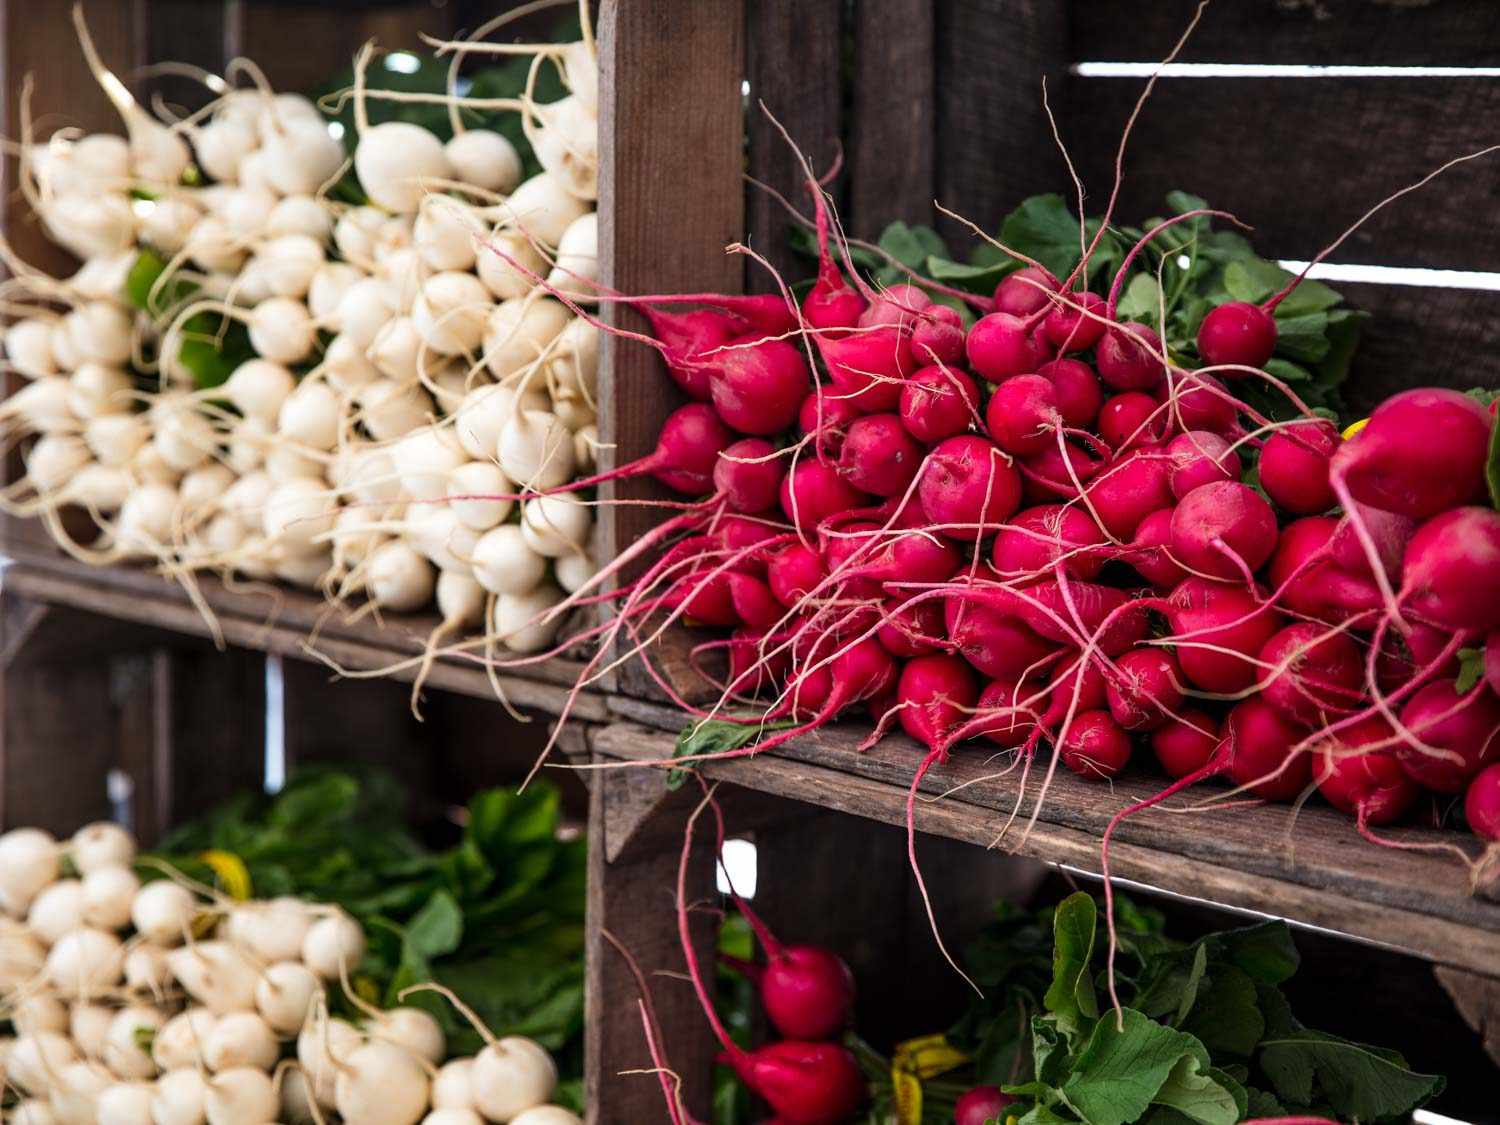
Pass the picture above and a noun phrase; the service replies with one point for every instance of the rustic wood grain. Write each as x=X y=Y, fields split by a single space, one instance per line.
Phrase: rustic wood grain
x=1478 y=1000
x=246 y=621
x=890 y=131
x=201 y=32
x=994 y=144
x=1301 y=159
x=632 y=897
x=1427 y=33
x=1316 y=871
x=671 y=198
x=327 y=38
x=796 y=75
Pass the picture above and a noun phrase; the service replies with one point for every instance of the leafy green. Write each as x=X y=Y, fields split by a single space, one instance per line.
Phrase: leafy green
x=212 y=345
x=1470 y=669
x=498 y=917
x=1359 y=1082
x=714 y=736
x=1071 y=995
x=1492 y=466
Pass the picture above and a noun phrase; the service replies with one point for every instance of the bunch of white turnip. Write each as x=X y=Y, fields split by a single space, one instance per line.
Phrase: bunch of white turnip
x=165 y=1004
x=416 y=404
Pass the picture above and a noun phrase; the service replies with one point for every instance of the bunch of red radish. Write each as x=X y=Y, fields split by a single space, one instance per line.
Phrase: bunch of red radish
x=1035 y=528
x=1071 y=554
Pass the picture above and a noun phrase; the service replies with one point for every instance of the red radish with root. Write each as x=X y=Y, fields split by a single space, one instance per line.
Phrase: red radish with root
x=1237 y=334
x=1452 y=736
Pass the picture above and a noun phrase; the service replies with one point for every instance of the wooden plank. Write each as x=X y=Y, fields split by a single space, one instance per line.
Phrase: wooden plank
x=994 y=144
x=1421 y=336
x=199 y=32
x=632 y=897
x=892 y=155
x=670 y=75
x=1314 y=869
x=213 y=711
x=327 y=37
x=1450 y=33
x=792 y=48
x=142 y=597
x=1294 y=159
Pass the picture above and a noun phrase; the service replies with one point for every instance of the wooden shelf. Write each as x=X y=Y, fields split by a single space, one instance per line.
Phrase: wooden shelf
x=1309 y=866
x=283 y=625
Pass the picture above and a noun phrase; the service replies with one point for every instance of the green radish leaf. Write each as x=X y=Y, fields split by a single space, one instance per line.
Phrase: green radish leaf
x=1199 y=1093
x=1470 y=669
x=1265 y=951
x=1309 y=297
x=1190 y=988
x=1071 y=995
x=912 y=246
x=1483 y=395
x=1287 y=371
x=712 y=737
x=1358 y=1082
x=1124 y=1067
x=1253 y=280
x=1303 y=338
x=1141 y=300
x=974 y=278
x=1226 y=1017
x=1492 y=467
x=438 y=927
x=1043 y=228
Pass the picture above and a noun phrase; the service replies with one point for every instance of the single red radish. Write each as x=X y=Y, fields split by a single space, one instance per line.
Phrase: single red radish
x=935 y=694
x=968 y=488
x=1237 y=334
x=1000 y=345
x=1294 y=466
x=1219 y=628
x=1368 y=783
x=1129 y=358
x=1313 y=674
x=1029 y=290
x=825 y=417
x=1149 y=552
x=1464 y=730
x=1129 y=489
x=1095 y=746
x=1037 y=538
x=1482 y=803
x=879 y=455
x=748 y=475
x=938 y=336
x=1260 y=750
x=1132 y=418
x=1200 y=457
x=1451 y=573
x=938 y=403
x=1225 y=529
x=1077 y=324
x=1144 y=689
x=758 y=384
x=1076 y=389
x=813 y=491
x=1185 y=744
x=981 y=1105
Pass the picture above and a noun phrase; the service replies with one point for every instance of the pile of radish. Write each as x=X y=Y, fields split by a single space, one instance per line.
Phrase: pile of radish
x=162 y=1003
x=392 y=355
x=1026 y=525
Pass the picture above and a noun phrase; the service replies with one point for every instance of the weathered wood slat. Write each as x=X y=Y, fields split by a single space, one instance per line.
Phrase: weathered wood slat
x=994 y=144
x=890 y=132
x=1301 y=160
x=247 y=622
x=1314 y=869
x=671 y=198
x=1448 y=33
x=795 y=75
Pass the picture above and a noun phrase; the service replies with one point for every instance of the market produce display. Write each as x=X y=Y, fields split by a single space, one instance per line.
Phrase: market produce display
x=136 y=994
x=276 y=361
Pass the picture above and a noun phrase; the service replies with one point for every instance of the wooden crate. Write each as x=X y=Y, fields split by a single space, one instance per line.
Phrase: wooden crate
x=942 y=102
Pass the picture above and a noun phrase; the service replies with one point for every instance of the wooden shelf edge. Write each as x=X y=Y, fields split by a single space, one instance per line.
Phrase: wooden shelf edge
x=1409 y=901
x=246 y=622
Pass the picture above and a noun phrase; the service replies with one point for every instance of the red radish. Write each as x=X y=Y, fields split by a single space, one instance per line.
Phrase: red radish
x=1200 y=457
x=911 y=631
x=1224 y=529
x=1294 y=466
x=752 y=669
x=901 y=305
x=705 y=597
x=831 y=303
x=999 y=346
x=997 y=644
x=1185 y=744
x=1060 y=614
x=935 y=695
x=1037 y=538
x=1422 y=452
x=1451 y=574
x=868 y=368
x=980 y=1105
x=1200 y=402
x=1390 y=532
x=879 y=456
x=1022 y=415
x=907 y=556
x=1145 y=689
x=1209 y=617
x=1482 y=803
x=860 y=671
x=754 y=603
x=1133 y=417
x=1095 y=746
x=1024 y=292
x=1310 y=579
x=748 y=475
x=686 y=454
x=968 y=488
x=685 y=337
x=1492 y=661
x=1000 y=717
x=807 y=991
x=938 y=336
x=1128 y=490
x=758 y=384
x=794 y=572
x=1129 y=358
x=1049 y=476
x=826 y=417
x=1076 y=390
x=938 y=403
x=1237 y=334
x=1076 y=327
x=1072 y=691
x=838 y=554
x=1149 y=551
x=1259 y=750
x=1314 y=673
x=1464 y=730
x=1368 y=783
x=812 y=492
